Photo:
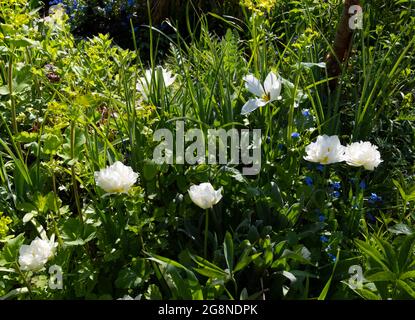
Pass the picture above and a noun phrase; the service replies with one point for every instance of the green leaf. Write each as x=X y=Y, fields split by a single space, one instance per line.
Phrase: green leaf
x=212 y=274
x=149 y=170
x=367 y=294
x=246 y=260
x=228 y=251
x=21 y=168
x=184 y=286
x=373 y=253
x=26 y=137
x=279 y=246
x=390 y=254
x=309 y=65
x=401 y=191
x=11 y=249
x=4 y=90
x=288 y=254
x=326 y=288
x=76 y=233
x=23 y=42
x=405 y=252
x=408 y=275
x=381 y=276
x=406 y=287
x=51 y=143
x=128 y=278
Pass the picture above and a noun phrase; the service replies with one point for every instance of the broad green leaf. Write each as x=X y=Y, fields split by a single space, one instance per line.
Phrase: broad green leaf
x=246 y=260
x=408 y=275
x=406 y=287
x=405 y=252
x=149 y=170
x=11 y=249
x=382 y=276
x=373 y=253
x=367 y=294
x=187 y=287
x=51 y=143
x=211 y=273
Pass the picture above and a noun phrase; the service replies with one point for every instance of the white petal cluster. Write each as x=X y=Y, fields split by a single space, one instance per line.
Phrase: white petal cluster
x=204 y=196
x=266 y=93
x=34 y=256
x=362 y=154
x=144 y=83
x=328 y=149
x=117 y=178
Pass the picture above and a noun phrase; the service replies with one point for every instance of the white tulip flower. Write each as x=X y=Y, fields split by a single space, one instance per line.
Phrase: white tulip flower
x=117 y=178
x=144 y=83
x=266 y=93
x=33 y=257
x=363 y=154
x=204 y=196
x=326 y=150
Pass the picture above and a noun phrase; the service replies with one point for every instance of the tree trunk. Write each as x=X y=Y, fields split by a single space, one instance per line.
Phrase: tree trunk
x=342 y=44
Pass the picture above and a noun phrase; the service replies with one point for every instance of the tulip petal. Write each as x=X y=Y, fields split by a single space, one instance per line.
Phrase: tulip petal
x=251 y=105
x=253 y=85
x=272 y=86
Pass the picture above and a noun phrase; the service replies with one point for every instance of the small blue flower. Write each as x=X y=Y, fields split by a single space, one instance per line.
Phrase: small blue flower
x=130 y=3
x=362 y=184
x=306 y=113
x=321 y=218
x=336 y=185
x=295 y=135
x=332 y=257
x=308 y=181
x=281 y=146
x=324 y=239
x=336 y=194
x=374 y=198
x=320 y=167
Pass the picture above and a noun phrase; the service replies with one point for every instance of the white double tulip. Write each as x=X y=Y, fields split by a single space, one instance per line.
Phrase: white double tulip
x=34 y=256
x=326 y=150
x=363 y=154
x=117 y=178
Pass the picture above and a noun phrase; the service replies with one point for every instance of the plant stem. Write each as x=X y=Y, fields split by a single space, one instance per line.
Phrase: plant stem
x=12 y=101
x=25 y=280
x=74 y=182
x=206 y=233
